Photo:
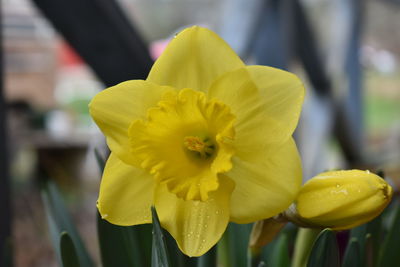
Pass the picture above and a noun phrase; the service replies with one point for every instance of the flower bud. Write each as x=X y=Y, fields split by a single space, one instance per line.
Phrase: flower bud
x=340 y=200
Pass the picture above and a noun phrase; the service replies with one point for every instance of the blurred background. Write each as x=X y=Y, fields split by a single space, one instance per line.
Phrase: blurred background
x=58 y=54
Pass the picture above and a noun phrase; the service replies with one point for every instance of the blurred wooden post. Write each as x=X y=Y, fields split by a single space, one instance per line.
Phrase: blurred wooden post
x=5 y=192
x=102 y=35
x=274 y=43
x=349 y=120
x=307 y=49
x=318 y=115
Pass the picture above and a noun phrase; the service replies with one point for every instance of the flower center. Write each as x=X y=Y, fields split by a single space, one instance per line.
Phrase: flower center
x=202 y=147
x=185 y=142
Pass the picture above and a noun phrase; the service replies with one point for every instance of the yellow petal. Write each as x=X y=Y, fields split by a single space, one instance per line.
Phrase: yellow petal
x=193 y=59
x=195 y=225
x=345 y=198
x=266 y=102
x=115 y=108
x=126 y=194
x=265 y=184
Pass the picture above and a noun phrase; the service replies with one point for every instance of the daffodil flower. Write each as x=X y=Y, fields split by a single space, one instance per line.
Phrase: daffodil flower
x=205 y=139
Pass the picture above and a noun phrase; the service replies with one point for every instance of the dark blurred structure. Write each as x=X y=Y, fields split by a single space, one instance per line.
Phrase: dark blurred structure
x=5 y=195
x=99 y=27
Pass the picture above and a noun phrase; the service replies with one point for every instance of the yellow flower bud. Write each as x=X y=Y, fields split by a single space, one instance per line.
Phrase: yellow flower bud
x=342 y=199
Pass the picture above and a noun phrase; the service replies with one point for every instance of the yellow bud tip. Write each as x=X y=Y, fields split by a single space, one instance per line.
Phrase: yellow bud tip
x=387 y=191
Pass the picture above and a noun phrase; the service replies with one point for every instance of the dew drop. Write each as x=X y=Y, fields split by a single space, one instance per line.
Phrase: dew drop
x=217 y=212
x=367 y=171
x=337 y=185
x=203 y=240
x=104 y=216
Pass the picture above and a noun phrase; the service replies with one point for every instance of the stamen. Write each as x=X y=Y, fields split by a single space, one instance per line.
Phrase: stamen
x=194 y=143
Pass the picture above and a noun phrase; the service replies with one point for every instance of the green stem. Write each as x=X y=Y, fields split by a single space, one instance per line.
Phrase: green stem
x=304 y=241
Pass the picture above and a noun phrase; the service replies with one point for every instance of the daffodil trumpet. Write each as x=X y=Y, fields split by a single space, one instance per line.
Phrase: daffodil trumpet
x=205 y=139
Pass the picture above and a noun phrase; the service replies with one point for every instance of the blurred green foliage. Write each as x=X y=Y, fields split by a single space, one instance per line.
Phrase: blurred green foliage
x=374 y=244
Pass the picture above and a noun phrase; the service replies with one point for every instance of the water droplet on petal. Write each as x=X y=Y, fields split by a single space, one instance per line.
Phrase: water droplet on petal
x=104 y=216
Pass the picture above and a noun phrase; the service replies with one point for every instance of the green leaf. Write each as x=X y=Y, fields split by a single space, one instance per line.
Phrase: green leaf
x=69 y=257
x=59 y=221
x=369 y=253
x=237 y=241
x=280 y=252
x=269 y=252
x=352 y=257
x=159 y=256
x=176 y=256
x=209 y=259
x=390 y=255
x=374 y=230
x=325 y=251
x=128 y=246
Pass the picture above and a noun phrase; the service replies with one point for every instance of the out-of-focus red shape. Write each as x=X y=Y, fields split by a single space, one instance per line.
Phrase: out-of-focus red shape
x=67 y=57
x=157 y=47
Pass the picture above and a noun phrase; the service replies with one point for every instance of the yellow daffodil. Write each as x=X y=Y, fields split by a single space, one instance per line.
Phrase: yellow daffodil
x=340 y=200
x=205 y=139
